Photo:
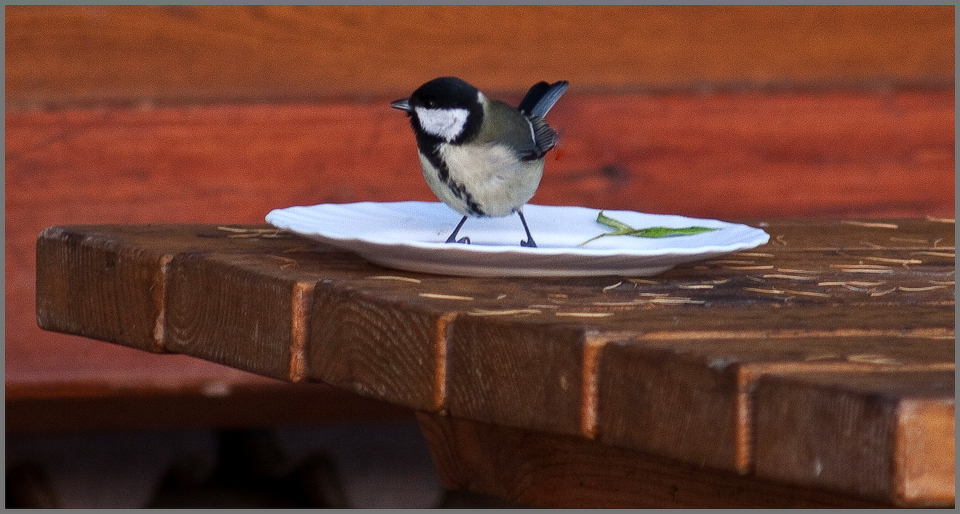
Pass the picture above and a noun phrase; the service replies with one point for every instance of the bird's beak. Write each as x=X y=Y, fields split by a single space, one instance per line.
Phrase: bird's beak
x=403 y=104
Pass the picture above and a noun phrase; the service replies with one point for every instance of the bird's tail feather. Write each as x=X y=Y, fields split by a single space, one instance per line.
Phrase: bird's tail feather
x=541 y=97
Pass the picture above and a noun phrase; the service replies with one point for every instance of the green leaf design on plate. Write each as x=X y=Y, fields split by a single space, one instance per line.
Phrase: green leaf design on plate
x=622 y=229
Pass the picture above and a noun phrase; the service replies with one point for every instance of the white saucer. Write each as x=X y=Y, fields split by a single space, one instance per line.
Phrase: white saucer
x=410 y=236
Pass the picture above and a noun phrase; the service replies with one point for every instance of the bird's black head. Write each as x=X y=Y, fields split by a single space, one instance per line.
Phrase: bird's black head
x=445 y=93
x=445 y=109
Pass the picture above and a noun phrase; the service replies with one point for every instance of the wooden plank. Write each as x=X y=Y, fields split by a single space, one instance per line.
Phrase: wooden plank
x=48 y=366
x=371 y=345
x=125 y=270
x=896 y=429
x=657 y=395
x=717 y=150
x=638 y=152
x=546 y=471
x=527 y=375
x=150 y=53
x=232 y=310
x=104 y=291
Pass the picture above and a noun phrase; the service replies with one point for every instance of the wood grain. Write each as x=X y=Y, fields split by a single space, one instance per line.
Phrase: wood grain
x=723 y=155
x=97 y=54
x=866 y=422
x=657 y=395
x=229 y=309
x=531 y=377
x=103 y=291
x=377 y=347
x=254 y=302
x=548 y=471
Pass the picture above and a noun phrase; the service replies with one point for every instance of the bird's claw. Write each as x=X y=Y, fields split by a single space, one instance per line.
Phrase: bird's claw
x=528 y=244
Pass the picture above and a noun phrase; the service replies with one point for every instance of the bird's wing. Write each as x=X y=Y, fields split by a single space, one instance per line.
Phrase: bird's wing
x=544 y=137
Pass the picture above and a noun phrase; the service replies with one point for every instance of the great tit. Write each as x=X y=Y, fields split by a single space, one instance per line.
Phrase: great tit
x=480 y=156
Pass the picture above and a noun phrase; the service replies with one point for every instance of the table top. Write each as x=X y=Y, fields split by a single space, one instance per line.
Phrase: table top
x=823 y=359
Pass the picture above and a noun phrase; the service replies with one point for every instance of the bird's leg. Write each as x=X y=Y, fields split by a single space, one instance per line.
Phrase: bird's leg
x=529 y=243
x=453 y=236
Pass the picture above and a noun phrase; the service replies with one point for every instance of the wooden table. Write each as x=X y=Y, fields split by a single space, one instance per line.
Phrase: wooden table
x=815 y=370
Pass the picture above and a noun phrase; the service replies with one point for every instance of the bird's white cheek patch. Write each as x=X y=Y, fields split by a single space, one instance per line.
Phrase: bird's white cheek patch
x=446 y=124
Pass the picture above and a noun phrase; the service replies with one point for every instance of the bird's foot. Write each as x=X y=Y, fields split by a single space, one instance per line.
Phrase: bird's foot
x=453 y=236
x=529 y=242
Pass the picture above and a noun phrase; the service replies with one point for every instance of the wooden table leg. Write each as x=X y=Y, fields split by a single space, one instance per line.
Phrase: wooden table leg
x=545 y=470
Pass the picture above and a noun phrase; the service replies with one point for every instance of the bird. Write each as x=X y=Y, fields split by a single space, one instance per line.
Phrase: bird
x=481 y=157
